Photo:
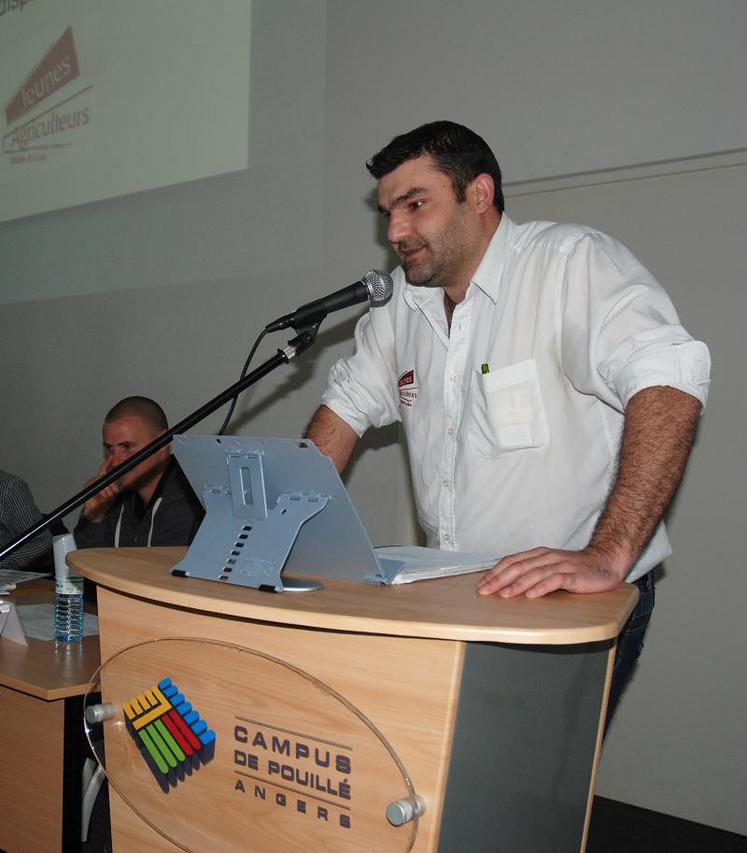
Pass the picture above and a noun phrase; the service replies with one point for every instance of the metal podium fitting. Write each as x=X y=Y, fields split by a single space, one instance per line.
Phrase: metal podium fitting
x=405 y=810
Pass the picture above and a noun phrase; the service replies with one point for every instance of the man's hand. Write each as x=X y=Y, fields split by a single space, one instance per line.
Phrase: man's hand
x=543 y=570
x=94 y=509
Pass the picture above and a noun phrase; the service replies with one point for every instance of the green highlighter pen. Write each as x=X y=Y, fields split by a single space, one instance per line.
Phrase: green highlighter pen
x=485 y=368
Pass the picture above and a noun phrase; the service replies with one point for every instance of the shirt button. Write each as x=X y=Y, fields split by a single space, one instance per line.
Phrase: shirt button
x=452 y=378
x=445 y=537
x=446 y=484
x=450 y=430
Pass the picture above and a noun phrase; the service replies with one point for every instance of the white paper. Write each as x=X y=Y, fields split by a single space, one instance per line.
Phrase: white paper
x=426 y=563
x=38 y=621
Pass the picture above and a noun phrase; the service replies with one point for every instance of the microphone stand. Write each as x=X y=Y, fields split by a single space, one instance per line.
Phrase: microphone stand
x=305 y=337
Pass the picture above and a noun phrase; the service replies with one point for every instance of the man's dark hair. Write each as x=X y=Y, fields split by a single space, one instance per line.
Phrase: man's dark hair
x=141 y=407
x=456 y=150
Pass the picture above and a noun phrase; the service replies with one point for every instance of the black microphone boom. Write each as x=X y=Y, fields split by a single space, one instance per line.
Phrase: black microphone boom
x=375 y=286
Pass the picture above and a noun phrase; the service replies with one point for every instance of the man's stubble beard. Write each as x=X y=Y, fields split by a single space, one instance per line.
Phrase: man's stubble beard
x=441 y=265
x=422 y=276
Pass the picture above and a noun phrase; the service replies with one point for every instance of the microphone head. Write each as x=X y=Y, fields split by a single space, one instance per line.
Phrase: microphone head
x=380 y=286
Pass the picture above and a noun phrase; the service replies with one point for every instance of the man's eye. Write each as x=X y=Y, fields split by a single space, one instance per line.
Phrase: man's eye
x=415 y=205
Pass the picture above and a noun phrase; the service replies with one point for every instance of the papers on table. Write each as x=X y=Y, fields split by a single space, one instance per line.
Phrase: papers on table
x=408 y=563
x=38 y=621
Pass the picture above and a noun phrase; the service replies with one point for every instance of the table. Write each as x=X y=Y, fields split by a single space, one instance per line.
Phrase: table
x=41 y=732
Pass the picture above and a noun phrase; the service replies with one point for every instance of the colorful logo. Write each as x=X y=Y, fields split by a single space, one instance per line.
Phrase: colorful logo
x=172 y=738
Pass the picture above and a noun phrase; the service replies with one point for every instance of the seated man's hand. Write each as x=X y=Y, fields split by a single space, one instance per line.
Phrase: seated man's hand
x=94 y=509
x=543 y=570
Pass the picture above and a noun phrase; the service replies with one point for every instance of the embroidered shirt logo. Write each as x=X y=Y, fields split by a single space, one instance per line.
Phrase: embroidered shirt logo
x=408 y=390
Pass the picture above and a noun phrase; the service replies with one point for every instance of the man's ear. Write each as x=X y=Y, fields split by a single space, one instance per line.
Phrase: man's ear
x=484 y=189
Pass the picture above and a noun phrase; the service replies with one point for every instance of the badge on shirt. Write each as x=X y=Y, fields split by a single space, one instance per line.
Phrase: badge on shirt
x=408 y=390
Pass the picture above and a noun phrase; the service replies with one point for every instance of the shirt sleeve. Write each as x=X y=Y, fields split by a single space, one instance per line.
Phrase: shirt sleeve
x=19 y=512
x=620 y=332
x=361 y=387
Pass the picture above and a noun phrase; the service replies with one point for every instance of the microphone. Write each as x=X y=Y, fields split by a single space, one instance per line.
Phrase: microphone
x=375 y=286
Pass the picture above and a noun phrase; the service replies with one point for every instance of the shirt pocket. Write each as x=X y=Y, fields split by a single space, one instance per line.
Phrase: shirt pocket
x=508 y=413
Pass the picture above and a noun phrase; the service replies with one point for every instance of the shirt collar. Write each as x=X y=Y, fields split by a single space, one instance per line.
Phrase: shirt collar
x=487 y=275
x=415 y=297
x=490 y=270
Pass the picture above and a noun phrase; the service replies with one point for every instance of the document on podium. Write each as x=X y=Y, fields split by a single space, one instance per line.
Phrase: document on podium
x=407 y=563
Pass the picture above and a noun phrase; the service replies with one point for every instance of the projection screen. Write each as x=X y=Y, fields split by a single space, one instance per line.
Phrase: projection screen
x=105 y=99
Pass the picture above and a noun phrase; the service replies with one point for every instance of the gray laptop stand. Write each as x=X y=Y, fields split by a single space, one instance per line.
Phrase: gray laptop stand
x=272 y=505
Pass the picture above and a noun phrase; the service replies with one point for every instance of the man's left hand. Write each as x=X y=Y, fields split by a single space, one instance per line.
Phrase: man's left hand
x=543 y=570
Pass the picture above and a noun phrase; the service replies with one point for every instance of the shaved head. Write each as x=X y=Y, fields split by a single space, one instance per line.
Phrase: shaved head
x=149 y=412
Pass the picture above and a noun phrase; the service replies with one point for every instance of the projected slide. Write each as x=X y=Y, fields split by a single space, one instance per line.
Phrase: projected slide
x=105 y=99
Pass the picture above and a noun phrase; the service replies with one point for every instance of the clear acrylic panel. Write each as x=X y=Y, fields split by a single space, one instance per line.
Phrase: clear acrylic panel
x=220 y=747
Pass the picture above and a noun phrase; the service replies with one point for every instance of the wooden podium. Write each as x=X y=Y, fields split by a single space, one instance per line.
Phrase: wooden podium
x=326 y=707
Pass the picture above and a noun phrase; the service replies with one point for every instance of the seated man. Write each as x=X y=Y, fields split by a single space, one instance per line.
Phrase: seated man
x=153 y=504
x=18 y=512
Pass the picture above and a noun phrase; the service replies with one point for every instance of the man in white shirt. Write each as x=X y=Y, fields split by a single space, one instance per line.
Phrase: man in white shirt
x=548 y=391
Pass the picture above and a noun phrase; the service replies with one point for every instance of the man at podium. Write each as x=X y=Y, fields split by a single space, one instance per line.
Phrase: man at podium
x=549 y=393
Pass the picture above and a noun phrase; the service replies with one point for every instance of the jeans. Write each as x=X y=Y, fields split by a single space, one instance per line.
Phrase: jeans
x=630 y=642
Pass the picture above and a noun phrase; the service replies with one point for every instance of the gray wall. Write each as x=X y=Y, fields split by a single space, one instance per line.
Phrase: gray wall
x=174 y=284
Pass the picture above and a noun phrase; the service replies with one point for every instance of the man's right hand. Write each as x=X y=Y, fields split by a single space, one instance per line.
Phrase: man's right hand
x=94 y=509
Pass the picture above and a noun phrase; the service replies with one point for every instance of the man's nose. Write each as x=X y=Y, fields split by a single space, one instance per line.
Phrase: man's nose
x=398 y=228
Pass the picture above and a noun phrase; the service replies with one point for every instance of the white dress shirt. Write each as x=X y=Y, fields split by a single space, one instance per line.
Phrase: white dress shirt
x=514 y=417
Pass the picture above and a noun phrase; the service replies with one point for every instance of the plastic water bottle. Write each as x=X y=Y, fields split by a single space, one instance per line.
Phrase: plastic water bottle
x=68 y=617
x=68 y=602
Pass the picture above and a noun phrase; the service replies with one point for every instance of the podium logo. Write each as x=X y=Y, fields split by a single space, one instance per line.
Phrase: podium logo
x=171 y=737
